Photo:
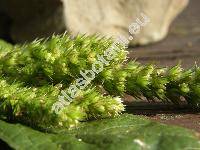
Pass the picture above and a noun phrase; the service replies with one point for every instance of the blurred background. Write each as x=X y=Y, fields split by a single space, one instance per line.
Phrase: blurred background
x=172 y=36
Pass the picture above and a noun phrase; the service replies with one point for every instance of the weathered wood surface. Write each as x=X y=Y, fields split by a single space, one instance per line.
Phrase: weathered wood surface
x=142 y=108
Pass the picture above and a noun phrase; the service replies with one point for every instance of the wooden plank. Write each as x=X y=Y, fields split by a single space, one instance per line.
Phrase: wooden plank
x=159 y=108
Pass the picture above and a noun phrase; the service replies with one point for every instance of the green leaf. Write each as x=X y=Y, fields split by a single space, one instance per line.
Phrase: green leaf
x=124 y=132
x=21 y=137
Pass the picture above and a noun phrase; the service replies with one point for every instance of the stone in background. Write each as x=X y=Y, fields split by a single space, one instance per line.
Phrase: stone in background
x=41 y=18
x=113 y=17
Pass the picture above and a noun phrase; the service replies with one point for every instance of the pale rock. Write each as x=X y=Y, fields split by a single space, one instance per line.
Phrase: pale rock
x=32 y=19
x=113 y=17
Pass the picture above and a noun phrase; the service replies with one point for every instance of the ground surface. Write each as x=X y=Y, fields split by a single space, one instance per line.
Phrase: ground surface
x=191 y=121
x=182 y=44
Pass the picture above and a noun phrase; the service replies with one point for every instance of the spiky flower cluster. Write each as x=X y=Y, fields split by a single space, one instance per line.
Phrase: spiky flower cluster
x=33 y=105
x=55 y=61
x=40 y=67
x=166 y=84
x=58 y=59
